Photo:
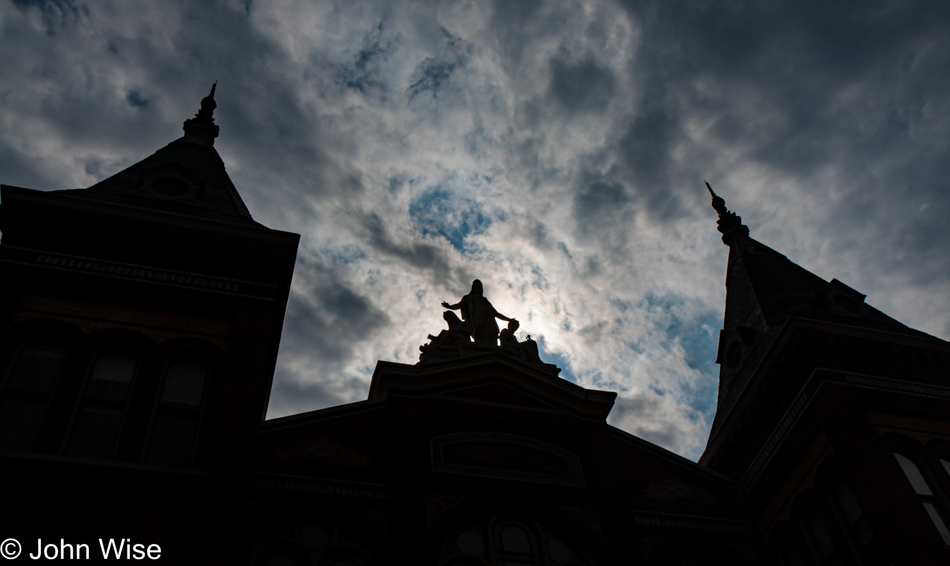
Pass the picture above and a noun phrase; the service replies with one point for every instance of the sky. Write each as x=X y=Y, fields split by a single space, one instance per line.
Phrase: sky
x=555 y=150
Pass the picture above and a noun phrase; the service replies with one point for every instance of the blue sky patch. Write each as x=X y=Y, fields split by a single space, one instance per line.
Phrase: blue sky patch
x=551 y=358
x=430 y=75
x=343 y=255
x=136 y=99
x=363 y=73
x=699 y=335
x=439 y=212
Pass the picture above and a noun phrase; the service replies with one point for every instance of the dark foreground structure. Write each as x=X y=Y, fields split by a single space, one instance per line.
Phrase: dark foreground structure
x=140 y=322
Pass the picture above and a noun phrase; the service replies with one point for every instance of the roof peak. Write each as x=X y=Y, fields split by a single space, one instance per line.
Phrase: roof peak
x=201 y=129
x=729 y=223
x=185 y=177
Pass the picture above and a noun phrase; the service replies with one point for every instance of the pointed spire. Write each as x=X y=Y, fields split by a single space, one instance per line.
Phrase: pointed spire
x=202 y=129
x=729 y=223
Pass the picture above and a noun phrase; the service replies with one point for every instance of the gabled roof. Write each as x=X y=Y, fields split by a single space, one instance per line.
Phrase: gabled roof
x=765 y=290
x=440 y=378
x=185 y=177
x=782 y=289
x=487 y=418
x=488 y=378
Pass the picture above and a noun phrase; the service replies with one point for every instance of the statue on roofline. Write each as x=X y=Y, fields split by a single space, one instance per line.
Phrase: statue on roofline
x=477 y=311
x=479 y=322
x=458 y=331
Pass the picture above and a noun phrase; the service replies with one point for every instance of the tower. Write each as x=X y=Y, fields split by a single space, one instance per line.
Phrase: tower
x=140 y=319
x=832 y=417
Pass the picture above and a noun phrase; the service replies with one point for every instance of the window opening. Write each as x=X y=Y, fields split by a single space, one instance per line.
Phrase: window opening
x=27 y=394
x=176 y=421
x=851 y=512
x=505 y=541
x=924 y=493
x=96 y=429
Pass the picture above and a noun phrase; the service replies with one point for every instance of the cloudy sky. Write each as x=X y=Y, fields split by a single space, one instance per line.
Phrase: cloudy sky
x=555 y=150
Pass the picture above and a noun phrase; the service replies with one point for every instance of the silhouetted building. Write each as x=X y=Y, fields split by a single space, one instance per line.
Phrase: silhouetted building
x=141 y=319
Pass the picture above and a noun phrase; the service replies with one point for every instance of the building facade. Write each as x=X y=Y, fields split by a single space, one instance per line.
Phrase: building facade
x=141 y=319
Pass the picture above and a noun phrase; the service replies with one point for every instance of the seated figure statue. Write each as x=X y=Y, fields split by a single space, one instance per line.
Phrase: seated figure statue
x=458 y=331
x=528 y=348
x=507 y=336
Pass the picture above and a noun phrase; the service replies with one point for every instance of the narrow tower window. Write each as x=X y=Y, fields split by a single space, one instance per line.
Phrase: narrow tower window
x=850 y=511
x=924 y=493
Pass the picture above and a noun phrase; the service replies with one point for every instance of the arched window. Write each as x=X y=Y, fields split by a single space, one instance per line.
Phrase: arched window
x=102 y=409
x=342 y=560
x=315 y=541
x=175 y=428
x=819 y=538
x=783 y=550
x=515 y=544
x=850 y=514
x=26 y=395
x=507 y=541
x=926 y=495
x=286 y=555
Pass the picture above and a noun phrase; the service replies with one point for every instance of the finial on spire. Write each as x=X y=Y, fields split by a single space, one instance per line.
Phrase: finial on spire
x=202 y=128
x=729 y=223
x=208 y=104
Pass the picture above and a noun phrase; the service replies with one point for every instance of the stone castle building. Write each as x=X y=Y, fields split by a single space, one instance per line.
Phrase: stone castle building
x=141 y=319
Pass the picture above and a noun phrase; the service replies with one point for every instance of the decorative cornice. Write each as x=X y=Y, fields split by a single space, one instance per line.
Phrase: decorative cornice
x=805 y=398
x=691 y=522
x=438 y=378
x=505 y=456
x=144 y=273
x=301 y=485
x=919 y=389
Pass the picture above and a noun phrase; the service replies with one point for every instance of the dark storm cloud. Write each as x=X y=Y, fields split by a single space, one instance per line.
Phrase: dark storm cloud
x=584 y=86
x=774 y=74
x=293 y=393
x=18 y=170
x=325 y=324
x=56 y=14
x=645 y=152
x=604 y=210
x=647 y=412
x=600 y=205
x=422 y=255
x=510 y=19
x=333 y=319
